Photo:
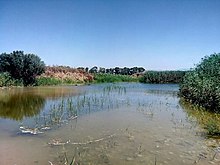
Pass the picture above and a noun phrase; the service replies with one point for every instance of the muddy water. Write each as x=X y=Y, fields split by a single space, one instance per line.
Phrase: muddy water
x=125 y=123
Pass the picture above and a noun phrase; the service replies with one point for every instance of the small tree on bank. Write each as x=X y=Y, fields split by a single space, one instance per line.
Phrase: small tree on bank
x=202 y=85
x=20 y=66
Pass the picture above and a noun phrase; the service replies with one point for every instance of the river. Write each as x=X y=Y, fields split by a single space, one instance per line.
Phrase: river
x=121 y=123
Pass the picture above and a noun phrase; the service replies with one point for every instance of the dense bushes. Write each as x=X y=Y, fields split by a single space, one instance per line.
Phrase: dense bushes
x=201 y=86
x=6 y=80
x=43 y=81
x=159 y=77
x=22 y=67
x=105 y=78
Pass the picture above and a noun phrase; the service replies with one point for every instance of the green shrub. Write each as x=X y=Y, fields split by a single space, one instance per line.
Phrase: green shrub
x=6 y=80
x=212 y=128
x=201 y=85
x=43 y=81
x=70 y=81
x=110 y=78
x=160 y=77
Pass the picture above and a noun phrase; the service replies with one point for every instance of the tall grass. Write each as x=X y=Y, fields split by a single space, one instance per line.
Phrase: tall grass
x=110 y=78
x=208 y=120
x=43 y=81
x=46 y=81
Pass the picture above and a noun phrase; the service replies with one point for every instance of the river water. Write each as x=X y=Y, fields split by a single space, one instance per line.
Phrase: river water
x=121 y=123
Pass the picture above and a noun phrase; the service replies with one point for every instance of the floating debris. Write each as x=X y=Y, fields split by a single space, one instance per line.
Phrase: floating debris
x=73 y=117
x=57 y=142
x=129 y=159
x=33 y=131
x=46 y=128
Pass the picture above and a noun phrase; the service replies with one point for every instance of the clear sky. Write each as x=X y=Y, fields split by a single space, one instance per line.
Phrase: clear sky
x=154 y=34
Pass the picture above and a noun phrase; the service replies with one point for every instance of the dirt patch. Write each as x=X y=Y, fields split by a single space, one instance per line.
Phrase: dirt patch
x=68 y=74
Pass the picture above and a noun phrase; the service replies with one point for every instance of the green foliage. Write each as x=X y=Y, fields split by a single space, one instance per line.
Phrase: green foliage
x=22 y=67
x=201 y=86
x=6 y=80
x=70 y=81
x=212 y=128
x=109 y=78
x=32 y=66
x=208 y=120
x=44 y=81
x=160 y=77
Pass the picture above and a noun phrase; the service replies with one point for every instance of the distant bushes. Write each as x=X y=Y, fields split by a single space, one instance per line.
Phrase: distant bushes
x=44 y=81
x=105 y=78
x=201 y=85
x=160 y=77
x=116 y=70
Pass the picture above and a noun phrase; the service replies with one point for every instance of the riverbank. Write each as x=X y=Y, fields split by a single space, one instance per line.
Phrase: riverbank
x=64 y=75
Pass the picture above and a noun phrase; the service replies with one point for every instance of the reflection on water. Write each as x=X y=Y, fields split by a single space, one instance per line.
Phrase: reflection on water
x=18 y=106
x=18 y=103
x=123 y=123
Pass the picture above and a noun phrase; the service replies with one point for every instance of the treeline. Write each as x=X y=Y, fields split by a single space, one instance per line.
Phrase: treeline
x=201 y=85
x=21 y=69
x=116 y=70
x=160 y=77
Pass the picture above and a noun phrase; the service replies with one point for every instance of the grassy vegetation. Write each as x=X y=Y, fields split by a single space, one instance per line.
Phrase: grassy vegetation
x=160 y=77
x=47 y=81
x=105 y=78
x=208 y=120
x=201 y=85
x=43 y=81
x=6 y=80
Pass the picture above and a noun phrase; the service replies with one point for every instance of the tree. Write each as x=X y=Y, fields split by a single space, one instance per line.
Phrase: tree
x=94 y=70
x=20 y=66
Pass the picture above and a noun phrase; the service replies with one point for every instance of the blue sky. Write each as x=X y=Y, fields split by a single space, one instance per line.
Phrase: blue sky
x=154 y=34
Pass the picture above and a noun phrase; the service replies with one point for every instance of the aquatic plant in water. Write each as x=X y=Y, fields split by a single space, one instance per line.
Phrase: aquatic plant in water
x=70 y=108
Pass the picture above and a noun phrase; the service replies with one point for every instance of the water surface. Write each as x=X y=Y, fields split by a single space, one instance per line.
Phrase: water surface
x=123 y=123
